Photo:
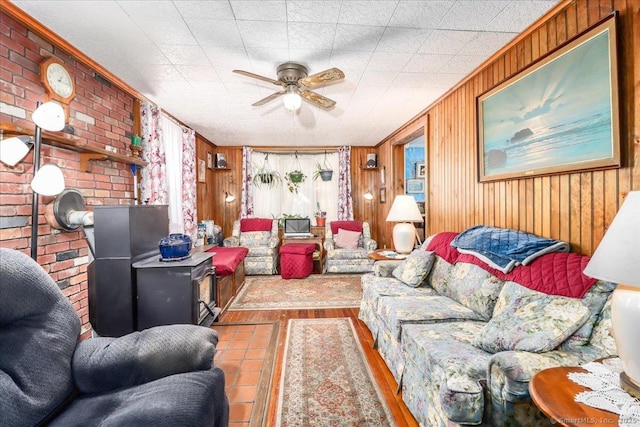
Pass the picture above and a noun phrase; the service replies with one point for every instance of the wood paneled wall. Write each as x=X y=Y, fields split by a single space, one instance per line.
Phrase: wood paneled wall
x=573 y=207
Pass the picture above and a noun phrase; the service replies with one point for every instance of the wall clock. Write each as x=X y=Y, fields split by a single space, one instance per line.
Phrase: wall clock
x=58 y=82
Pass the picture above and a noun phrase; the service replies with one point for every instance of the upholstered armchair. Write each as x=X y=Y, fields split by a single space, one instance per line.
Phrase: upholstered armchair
x=162 y=376
x=347 y=245
x=260 y=236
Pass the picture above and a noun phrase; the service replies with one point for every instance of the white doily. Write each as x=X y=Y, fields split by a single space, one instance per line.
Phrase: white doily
x=604 y=381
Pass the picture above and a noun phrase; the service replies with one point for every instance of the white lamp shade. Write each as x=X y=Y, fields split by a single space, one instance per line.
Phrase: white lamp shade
x=229 y=198
x=292 y=100
x=49 y=116
x=14 y=149
x=404 y=209
x=617 y=258
x=49 y=180
x=368 y=195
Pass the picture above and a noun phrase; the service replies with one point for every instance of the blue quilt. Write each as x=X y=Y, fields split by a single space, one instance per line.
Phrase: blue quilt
x=504 y=248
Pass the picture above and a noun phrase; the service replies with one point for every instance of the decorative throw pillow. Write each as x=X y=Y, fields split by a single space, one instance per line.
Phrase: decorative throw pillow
x=532 y=322
x=414 y=270
x=346 y=239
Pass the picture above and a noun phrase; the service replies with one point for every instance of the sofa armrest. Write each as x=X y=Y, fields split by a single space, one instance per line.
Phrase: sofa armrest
x=370 y=244
x=274 y=241
x=385 y=268
x=329 y=245
x=509 y=372
x=232 y=241
x=103 y=364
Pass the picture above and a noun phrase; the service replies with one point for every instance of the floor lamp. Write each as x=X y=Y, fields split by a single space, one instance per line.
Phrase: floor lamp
x=48 y=180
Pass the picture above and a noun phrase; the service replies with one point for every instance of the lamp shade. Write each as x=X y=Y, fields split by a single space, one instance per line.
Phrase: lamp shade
x=14 y=149
x=292 y=100
x=49 y=180
x=617 y=258
x=368 y=195
x=229 y=197
x=49 y=116
x=404 y=209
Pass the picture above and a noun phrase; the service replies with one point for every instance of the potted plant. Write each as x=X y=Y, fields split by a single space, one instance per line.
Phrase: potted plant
x=323 y=171
x=295 y=177
x=321 y=216
x=265 y=176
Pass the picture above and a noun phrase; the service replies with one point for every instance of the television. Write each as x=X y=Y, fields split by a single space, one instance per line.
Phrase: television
x=297 y=226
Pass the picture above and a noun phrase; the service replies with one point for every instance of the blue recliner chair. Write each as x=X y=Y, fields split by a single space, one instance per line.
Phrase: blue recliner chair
x=162 y=376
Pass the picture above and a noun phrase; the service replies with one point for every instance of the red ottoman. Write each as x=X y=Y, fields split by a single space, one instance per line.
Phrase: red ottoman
x=296 y=260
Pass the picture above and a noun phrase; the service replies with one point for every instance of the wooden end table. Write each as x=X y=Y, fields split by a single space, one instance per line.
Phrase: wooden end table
x=378 y=256
x=553 y=392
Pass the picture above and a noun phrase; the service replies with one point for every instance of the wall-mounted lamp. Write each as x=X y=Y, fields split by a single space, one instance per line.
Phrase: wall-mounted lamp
x=47 y=180
x=228 y=197
x=368 y=195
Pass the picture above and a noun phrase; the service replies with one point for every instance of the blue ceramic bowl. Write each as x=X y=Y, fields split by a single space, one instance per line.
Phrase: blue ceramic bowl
x=175 y=245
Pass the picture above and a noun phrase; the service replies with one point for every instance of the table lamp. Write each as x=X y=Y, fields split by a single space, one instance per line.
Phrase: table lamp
x=405 y=212
x=617 y=260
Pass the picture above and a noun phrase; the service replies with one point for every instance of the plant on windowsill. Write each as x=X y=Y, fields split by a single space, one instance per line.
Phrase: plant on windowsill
x=265 y=176
x=320 y=215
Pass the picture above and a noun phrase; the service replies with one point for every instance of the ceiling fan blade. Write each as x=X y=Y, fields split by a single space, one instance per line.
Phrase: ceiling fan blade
x=326 y=76
x=268 y=98
x=256 y=76
x=317 y=99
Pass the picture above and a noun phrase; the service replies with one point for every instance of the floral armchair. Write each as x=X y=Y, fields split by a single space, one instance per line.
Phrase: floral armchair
x=260 y=236
x=348 y=252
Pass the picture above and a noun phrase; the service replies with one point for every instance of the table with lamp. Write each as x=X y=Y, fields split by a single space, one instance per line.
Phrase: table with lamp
x=616 y=260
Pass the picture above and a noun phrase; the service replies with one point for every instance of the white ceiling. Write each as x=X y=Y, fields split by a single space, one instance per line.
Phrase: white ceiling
x=398 y=57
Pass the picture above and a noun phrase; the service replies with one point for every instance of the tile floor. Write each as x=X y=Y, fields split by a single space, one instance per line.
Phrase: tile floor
x=245 y=356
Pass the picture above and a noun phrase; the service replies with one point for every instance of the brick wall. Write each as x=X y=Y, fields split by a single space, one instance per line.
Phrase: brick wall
x=99 y=114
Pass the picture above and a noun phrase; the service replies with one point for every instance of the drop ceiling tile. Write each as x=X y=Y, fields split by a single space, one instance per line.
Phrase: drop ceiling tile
x=377 y=78
x=357 y=38
x=420 y=14
x=148 y=9
x=422 y=63
x=264 y=10
x=198 y=73
x=304 y=35
x=211 y=9
x=517 y=16
x=375 y=12
x=184 y=54
x=388 y=61
x=219 y=33
x=465 y=64
x=158 y=31
x=472 y=14
x=447 y=41
x=350 y=60
x=326 y=11
x=314 y=59
x=397 y=39
x=140 y=53
x=263 y=34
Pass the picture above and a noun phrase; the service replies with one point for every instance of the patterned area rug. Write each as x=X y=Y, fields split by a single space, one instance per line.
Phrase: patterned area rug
x=326 y=380
x=316 y=291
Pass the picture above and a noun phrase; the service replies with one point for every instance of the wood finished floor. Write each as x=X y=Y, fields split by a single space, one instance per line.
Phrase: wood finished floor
x=385 y=380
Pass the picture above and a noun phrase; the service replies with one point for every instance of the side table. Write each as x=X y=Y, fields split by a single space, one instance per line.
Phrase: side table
x=553 y=392
x=384 y=255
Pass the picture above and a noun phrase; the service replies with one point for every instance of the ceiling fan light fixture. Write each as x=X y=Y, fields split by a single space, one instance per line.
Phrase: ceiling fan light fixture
x=292 y=100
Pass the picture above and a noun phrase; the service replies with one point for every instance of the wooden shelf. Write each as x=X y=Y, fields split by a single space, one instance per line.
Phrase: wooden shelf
x=221 y=169
x=74 y=143
x=369 y=169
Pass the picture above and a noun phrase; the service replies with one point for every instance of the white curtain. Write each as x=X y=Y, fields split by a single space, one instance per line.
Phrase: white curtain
x=276 y=201
x=172 y=139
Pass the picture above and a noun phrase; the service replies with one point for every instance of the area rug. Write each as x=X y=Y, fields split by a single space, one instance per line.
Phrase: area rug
x=326 y=380
x=316 y=291
x=246 y=352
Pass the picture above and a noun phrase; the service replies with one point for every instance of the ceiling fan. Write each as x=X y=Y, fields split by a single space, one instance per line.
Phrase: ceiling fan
x=296 y=82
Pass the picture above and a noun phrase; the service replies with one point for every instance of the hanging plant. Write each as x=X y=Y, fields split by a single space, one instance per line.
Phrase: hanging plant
x=295 y=177
x=323 y=171
x=265 y=176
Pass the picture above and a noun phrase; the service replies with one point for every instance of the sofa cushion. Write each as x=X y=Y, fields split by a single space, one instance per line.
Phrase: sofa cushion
x=602 y=336
x=398 y=311
x=471 y=286
x=347 y=239
x=531 y=321
x=256 y=224
x=414 y=270
x=346 y=225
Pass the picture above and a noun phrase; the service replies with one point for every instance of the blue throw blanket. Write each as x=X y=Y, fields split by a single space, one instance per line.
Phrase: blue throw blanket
x=503 y=248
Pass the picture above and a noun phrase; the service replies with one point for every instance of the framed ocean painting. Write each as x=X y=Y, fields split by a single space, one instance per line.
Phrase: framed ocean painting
x=558 y=115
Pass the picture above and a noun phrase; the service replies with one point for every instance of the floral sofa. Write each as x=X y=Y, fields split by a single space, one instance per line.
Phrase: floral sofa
x=463 y=340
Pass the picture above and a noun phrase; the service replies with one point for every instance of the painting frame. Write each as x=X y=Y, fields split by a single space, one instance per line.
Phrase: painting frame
x=414 y=186
x=209 y=160
x=420 y=170
x=383 y=178
x=576 y=127
x=202 y=171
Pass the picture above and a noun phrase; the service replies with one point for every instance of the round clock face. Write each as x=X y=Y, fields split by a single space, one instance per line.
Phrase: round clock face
x=59 y=80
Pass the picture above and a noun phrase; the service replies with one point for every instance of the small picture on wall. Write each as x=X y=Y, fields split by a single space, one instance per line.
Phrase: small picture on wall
x=383 y=178
x=415 y=186
x=209 y=160
x=383 y=195
x=202 y=171
x=420 y=170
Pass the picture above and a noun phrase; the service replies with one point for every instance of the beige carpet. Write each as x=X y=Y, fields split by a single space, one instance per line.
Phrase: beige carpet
x=316 y=291
x=325 y=378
